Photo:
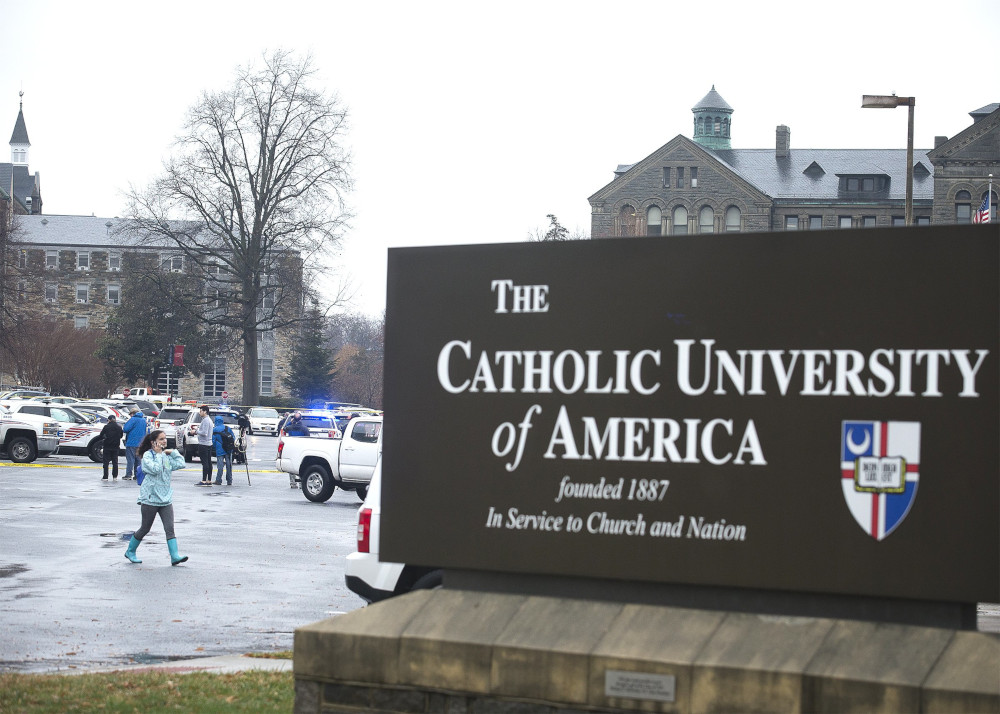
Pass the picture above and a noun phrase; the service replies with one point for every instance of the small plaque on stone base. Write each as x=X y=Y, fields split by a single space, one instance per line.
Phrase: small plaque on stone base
x=637 y=685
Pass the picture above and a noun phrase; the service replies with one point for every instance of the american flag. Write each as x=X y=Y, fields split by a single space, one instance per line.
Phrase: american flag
x=983 y=214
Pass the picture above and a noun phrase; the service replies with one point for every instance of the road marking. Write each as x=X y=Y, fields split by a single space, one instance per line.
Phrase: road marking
x=100 y=467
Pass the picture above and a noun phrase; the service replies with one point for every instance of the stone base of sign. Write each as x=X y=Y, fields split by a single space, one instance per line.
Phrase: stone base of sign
x=452 y=651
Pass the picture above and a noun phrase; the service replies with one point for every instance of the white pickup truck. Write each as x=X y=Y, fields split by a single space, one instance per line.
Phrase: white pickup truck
x=25 y=437
x=321 y=465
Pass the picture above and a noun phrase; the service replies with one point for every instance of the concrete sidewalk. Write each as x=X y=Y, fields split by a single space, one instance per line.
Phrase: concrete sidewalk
x=224 y=664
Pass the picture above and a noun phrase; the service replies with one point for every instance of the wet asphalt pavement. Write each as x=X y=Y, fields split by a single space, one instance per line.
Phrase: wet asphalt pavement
x=262 y=561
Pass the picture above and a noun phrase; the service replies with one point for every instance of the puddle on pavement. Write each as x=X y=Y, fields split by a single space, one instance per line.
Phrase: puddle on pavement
x=9 y=571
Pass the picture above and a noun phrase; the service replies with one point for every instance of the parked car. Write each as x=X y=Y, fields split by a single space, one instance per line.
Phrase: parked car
x=103 y=411
x=320 y=424
x=134 y=393
x=263 y=420
x=23 y=394
x=78 y=433
x=25 y=437
x=321 y=465
x=366 y=575
x=169 y=418
x=187 y=442
x=59 y=400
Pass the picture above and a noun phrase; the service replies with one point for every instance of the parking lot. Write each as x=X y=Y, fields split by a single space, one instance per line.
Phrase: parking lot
x=262 y=561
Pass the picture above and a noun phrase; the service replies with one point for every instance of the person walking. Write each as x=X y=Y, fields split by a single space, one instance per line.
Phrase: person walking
x=156 y=494
x=224 y=442
x=135 y=431
x=204 y=434
x=111 y=436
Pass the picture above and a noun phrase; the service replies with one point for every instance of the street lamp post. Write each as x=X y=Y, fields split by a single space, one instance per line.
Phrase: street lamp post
x=891 y=101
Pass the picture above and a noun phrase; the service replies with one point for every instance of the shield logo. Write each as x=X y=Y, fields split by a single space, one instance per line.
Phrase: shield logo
x=880 y=470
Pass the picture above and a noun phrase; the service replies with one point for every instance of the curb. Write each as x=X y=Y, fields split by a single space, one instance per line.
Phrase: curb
x=224 y=664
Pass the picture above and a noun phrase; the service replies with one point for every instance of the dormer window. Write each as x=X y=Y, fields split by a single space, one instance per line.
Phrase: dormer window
x=863 y=184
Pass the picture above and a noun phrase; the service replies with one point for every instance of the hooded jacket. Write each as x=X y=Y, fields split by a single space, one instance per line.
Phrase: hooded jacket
x=155 y=489
x=135 y=429
x=220 y=426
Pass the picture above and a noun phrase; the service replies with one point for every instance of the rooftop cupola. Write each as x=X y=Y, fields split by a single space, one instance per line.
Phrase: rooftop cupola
x=712 y=121
x=19 y=139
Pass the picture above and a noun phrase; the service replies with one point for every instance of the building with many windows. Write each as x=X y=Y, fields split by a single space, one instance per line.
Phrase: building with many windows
x=71 y=268
x=703 y=185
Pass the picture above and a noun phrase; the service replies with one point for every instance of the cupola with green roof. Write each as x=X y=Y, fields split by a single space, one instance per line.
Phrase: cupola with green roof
x=712 y=121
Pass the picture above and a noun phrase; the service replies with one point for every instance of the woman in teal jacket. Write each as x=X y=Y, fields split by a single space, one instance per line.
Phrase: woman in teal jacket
x=155 y=493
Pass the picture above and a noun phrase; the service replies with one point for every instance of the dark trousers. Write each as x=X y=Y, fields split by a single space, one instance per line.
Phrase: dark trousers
x=111 y=457
x=205 y=456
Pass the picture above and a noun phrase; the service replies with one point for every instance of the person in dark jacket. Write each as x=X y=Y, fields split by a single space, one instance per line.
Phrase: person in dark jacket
x=111 y=436
x=135 y=431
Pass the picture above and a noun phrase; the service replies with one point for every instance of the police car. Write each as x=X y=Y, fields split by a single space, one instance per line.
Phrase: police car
x=79 y=433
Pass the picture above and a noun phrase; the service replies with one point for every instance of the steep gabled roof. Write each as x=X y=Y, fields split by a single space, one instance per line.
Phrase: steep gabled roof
x=985 y=129
x=805 y=174
x=795 y=176
x=678 y=143
x=20 y=135
x=23 y=182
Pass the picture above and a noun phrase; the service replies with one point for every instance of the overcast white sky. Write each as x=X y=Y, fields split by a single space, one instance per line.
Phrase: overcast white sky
x=472 y=121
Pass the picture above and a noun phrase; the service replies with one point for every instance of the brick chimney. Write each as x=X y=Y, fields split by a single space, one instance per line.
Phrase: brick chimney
x=783 y=141
x=938 y=140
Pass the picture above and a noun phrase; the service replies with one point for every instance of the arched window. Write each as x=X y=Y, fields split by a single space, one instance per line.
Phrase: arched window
x=680 y=221
x=718 y=126
x=706 y=220
x=732 y=218
x=963 y=207
x=725 y=127
x=653 y=219
x=626 y=221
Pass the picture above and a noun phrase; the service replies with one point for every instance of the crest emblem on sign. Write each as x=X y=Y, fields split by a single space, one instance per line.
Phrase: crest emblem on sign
x=880 y=470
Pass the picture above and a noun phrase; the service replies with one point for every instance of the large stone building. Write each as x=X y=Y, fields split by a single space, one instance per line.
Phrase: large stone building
x=70 y=268
x=703 y=185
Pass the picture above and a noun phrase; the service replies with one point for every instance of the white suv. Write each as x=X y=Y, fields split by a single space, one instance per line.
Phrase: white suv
x=186 y=430
x=366 y=575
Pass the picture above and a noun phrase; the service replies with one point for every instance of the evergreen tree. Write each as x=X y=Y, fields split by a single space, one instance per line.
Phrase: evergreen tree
x=309 y=375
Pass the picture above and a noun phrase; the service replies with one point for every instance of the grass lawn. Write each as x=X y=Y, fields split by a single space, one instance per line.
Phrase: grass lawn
x=255 y=691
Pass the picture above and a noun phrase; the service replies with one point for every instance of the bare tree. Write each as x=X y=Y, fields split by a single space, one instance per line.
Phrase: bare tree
x=252 y=201
x=51 y=353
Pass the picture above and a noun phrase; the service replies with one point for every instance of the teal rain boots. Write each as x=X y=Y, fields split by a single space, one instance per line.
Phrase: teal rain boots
x=130 y=553
x=175 y=559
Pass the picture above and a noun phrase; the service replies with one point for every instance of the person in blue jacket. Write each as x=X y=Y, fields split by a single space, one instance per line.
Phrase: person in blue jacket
x=135 y=431
x=156 y=494
x=222 y=456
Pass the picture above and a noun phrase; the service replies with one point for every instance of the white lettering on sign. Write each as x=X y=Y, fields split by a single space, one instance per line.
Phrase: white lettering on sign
x=543 y=371
x=520 y=298
x=638 y=685
x=837 y=373
x=655 y=440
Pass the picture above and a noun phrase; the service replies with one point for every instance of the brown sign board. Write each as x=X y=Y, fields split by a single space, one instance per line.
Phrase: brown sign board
x=807 y=412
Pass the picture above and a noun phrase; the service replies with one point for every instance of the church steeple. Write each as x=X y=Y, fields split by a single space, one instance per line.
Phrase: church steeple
x=712 y=121
x=19 y=142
